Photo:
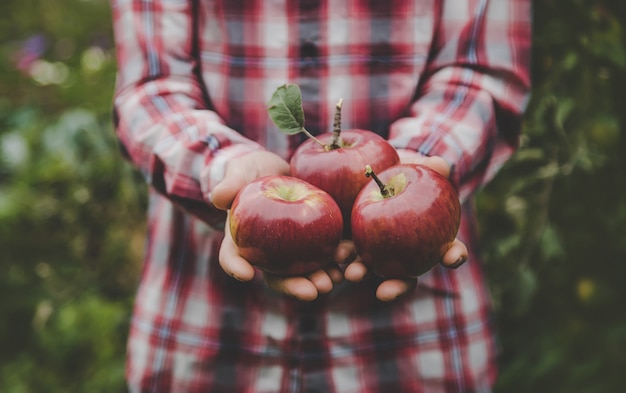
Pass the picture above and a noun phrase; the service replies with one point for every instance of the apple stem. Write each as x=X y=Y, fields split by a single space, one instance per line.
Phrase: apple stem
x=337 y=126
x=386 y=190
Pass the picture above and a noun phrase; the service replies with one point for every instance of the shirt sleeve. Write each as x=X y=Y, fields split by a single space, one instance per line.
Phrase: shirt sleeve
x=162 y=113
x=470 y=101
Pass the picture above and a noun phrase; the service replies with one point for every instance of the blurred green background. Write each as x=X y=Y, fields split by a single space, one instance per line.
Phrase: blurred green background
x=553 y=222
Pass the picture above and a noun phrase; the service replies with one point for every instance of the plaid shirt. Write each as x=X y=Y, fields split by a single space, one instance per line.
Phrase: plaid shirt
x=442 y=77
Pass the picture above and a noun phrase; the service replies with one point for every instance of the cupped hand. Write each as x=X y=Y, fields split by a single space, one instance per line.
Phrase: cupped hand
x=239 y=173
x=455 y=256
x=244 y=169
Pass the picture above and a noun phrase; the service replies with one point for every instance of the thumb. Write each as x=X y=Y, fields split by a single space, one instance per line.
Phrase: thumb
x=438 y=164
x=242 y=171
x=225 y=191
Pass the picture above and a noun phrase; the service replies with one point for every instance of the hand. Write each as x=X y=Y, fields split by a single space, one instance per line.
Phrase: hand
x=239 y=173
x=455 y=256
x=242 y=170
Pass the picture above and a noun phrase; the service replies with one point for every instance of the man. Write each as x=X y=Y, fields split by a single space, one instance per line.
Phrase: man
x=445 y=81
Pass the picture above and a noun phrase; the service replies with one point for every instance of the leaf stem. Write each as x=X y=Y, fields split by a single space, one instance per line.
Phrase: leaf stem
x=308 y=134
x=386 y=190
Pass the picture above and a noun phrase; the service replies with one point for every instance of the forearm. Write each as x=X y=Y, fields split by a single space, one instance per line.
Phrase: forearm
x=469 y=106
x=181 y=152
x=162 y=117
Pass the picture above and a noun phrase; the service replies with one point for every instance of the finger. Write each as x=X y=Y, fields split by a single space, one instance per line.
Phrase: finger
x=456 y=255
x=230 y=260
x=356 y=271
x=299 y=287
x=233 y=264
x=321 y=280
x=345 y=252
x=335 y=274
x=392 y=289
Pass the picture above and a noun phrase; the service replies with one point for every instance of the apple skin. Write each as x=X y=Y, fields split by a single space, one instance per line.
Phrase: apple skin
x=285 y=226
x=406 y=235
x=339 y=172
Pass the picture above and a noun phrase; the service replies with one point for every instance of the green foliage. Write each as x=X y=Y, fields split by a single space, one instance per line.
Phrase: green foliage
x=71 y=214
x=285 y=109
x=553 y=222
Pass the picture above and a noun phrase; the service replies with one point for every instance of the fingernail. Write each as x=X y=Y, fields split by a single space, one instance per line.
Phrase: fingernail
x=458 y=262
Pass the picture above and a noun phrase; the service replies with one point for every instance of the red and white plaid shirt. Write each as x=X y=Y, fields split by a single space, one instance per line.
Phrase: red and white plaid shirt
x=442 y=77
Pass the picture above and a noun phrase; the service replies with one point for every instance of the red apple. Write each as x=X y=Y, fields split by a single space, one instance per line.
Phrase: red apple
x=405 y=220
x=333 y=161
x=339 y=170
x=285 y=226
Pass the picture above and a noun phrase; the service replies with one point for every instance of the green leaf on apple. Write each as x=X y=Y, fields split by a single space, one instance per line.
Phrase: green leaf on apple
x=285 y=109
